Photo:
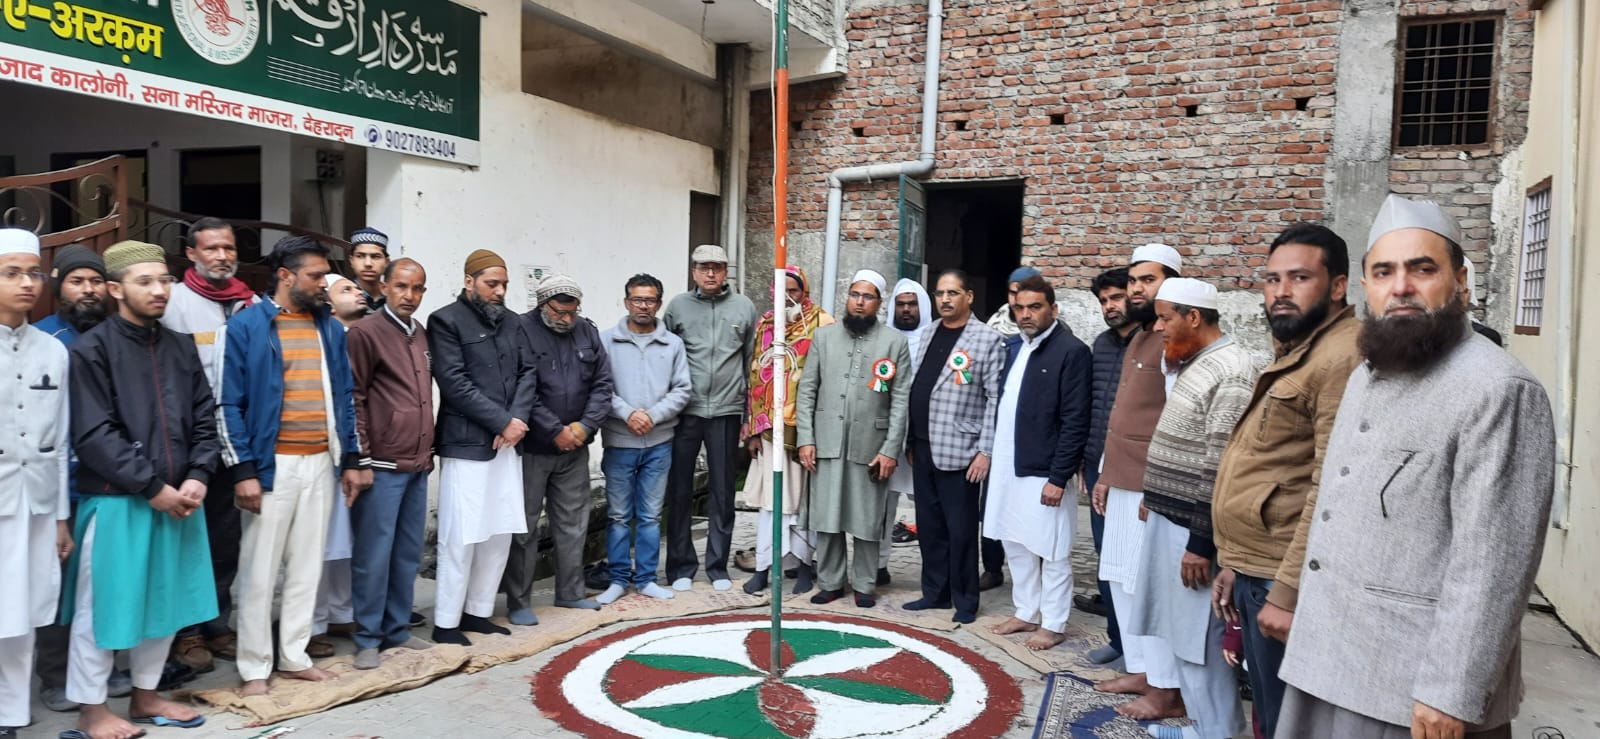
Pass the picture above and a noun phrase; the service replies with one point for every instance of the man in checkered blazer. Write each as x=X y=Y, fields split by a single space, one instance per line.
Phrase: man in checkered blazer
x=954 y=398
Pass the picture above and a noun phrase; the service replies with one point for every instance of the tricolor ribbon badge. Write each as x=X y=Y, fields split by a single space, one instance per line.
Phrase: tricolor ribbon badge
x=961 y=362
x=883 y=371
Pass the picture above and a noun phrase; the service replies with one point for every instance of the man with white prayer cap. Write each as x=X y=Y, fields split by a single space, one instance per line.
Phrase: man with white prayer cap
x=850 y=429
x=1431 y=513
x=910 y=312
x=335 y=609
x=33 y=473
x=1210 y=381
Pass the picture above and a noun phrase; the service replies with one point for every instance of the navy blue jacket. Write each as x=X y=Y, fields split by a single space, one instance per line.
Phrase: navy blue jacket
x=1108 y=351
x=250 y=391
x=486 y=377
x=1053 y=413
x=573 y=381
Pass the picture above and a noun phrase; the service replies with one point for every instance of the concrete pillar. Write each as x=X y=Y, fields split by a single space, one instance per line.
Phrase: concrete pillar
x=1363 y=125
x=733 y=68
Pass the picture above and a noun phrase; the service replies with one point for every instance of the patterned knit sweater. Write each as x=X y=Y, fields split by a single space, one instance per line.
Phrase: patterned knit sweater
x=1211 y=394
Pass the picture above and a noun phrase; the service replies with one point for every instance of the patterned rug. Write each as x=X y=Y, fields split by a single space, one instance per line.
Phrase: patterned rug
x=1073 y=709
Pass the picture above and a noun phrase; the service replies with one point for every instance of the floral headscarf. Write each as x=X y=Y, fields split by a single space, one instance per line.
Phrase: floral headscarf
x=798 y=334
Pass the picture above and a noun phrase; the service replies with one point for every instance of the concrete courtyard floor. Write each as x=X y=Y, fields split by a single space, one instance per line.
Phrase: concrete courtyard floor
x=1563 y=680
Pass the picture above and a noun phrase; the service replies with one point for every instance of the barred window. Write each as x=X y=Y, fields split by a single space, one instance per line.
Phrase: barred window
x=1447 y=82
x=1535 y=243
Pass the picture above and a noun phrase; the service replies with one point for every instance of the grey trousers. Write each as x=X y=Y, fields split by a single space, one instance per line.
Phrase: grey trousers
x=1305 y=716
x=863 y=575
x=557 y=485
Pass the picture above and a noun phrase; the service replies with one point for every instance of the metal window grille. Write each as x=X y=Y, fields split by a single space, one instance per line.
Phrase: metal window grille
x=1535 y=243
x=1447 y=83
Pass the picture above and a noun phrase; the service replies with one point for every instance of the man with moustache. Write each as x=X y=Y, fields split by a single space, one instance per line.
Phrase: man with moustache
x=769 y=431
x=1041 y=429
x=201 y=305
x=651 y=375
x=1110 y=289
x=335 y=611
x=393 y=393
x=1430 y=518
x=369 y=257
x=79 y=276
x=486 y=382
x=1211 y=378
x=144 y=428
x=850 y=425
x=34 y=505
x=573 y=381
x=1141 y=394
x=913 y=311
x=955 y=394
x=288 y=421
x=717 y=326
x=1273 y=460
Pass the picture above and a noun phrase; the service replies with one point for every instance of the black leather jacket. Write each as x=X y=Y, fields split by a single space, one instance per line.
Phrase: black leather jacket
x=486 y=377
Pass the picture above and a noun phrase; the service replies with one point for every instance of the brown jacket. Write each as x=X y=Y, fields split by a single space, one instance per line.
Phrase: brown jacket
x=393 y=393
x=1273 y=463
x=1141 y=394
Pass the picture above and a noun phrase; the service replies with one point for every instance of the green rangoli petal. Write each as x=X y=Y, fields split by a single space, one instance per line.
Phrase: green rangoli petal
x=808 y=643
x=734 y=716
x=860 y=691
x=692 y=664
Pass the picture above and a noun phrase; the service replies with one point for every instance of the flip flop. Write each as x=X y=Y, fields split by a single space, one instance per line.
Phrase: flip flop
x=81 y=734
x=172 y=722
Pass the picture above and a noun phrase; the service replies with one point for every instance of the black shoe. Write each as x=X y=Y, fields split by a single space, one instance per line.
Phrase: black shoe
x=990 y=580
x=827 y=596
x=6 y=732
x=450 y=636
x=417 y=619
x=597 y=575
x=865 y=601
x=756 y=583
x=883 y=577
x=1089 y=604
x=901 y=534
x=923 y=604
x=174 y=675
x=481 y=625
x=964 y=618
x=803 y=579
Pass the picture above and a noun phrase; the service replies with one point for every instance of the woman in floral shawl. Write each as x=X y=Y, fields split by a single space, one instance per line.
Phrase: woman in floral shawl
x=802 y=319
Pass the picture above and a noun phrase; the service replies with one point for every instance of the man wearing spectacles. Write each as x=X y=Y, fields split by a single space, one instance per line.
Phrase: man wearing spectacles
x=718 y=331
x=573 y=386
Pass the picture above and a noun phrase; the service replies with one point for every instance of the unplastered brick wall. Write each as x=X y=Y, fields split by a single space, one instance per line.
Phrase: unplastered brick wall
x=1206 y=125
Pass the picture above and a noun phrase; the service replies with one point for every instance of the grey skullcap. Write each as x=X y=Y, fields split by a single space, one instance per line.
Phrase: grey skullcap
x=1401 y=213
x=554 y=285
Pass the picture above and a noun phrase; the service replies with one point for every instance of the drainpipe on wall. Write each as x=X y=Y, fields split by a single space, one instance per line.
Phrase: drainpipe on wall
x=1565 y=273
x=918 y=167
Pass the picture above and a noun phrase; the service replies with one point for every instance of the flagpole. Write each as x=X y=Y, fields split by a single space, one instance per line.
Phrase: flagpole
x=780 y=348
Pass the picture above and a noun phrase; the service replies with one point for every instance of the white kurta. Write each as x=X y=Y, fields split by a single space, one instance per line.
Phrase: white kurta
x=33 y=474
x=478 y=500
x=1123 y=543
x=1013 y=512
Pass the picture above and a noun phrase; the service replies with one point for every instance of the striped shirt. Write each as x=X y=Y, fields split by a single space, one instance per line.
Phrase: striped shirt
x=303 y=427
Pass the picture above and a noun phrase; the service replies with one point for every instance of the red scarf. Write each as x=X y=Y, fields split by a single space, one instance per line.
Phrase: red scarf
x=234 y=290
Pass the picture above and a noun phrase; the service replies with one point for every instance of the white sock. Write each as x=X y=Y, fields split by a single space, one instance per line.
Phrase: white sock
x=611 y=595
x=655 y=591
x=682 y=583
x=723 y=584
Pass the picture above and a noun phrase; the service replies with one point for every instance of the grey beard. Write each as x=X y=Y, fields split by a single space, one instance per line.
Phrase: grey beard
x=553 y=325
x=226 y=274
x=858 y=326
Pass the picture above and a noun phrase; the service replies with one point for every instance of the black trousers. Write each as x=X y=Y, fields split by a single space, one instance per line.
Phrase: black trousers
x=947 y=531
x=50 y=642
x=1097 y=525
x=223 y=533
x=721 y=438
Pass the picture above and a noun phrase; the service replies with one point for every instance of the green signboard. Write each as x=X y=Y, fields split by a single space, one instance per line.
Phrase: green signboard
x=396 y=74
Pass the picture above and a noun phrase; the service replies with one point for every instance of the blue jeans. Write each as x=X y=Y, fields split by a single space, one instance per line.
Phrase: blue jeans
x=1263 y=653
x=636 y=485
x=1097 y=525
x=387 y=523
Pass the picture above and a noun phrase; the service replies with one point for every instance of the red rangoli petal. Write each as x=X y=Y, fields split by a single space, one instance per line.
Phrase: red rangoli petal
x=628 y=681
x=787 y=708
x=907 y=671
x=758 y=645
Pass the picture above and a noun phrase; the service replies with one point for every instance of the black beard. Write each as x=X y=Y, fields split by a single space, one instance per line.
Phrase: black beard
x=84 y=316
x=1289 y=328
x=494 y=312
x=1119 y=321
x=305 y=302
x=1143 y=315
x=908 y=324
x=1412 y=343
x=858 y=326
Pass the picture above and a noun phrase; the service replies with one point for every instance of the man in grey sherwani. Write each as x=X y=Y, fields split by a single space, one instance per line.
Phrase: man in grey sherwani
x=851 y=420
x=1431 y=516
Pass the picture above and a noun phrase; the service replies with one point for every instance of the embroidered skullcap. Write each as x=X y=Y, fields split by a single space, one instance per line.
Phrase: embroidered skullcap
x=1400 y=213
x=125 y=254
x=18 y=241
x=876 y=279
x=1159 y=253
x=372 y=236
x=481 y=260
x=1188 y=291
x=554 y=285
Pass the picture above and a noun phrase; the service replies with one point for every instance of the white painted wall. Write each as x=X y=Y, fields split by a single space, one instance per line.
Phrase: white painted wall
x=559 y=187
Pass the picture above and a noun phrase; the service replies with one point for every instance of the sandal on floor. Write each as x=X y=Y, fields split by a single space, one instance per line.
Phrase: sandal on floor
x=172 y=722
x=319 y=647
x=81 y=734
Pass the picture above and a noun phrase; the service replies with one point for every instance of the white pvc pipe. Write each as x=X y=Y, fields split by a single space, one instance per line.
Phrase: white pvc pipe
x=918 y=167
x=1565 y=274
